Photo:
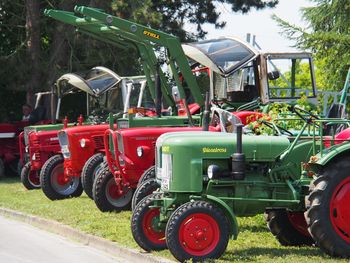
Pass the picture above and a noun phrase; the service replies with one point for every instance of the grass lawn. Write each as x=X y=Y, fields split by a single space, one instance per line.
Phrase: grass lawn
x=254 y=243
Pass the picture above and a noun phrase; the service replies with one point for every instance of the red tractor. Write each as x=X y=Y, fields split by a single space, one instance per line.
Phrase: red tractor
x=60 y=174
x=39 y=143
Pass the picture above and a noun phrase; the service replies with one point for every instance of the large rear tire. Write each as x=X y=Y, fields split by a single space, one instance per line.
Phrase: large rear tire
x=146 y=188
x=53 y=182
x=289 y=228
x=144 y=225
x=106 y=196
x=328 y=213
x=197 y=230
x=89 y=172
x=30 y=179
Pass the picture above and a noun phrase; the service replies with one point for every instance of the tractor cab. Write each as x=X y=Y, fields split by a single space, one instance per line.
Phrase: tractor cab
x=242 y=77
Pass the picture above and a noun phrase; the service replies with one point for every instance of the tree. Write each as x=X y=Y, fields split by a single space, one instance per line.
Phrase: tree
x=171 y=16
x=327 y=36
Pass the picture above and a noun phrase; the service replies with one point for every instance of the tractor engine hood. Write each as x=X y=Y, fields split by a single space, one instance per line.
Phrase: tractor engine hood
x=205 y=145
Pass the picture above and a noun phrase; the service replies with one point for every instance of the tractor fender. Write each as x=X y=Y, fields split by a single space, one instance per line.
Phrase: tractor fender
x=228 y=212
x=329 y=154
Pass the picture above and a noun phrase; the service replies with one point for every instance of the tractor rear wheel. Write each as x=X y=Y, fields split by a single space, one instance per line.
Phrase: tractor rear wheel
x=105 y=193
x=29 y=178
x=144 y=227
x=146 y=188
x=2 y=168
x=55 y=184
x=89 y=172
x=150 y=173
x=197 y=230
x=328 y=213
x=289 y=228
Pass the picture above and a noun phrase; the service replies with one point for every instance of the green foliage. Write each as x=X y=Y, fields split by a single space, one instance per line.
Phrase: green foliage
x=281 y=115
x=328 y=36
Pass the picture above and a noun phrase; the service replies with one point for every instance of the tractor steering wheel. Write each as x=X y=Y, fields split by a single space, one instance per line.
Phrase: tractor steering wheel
x=278 y=129
x=298 y=112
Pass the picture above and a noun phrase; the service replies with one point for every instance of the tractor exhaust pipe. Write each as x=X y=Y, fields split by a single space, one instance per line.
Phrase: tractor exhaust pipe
x=238 y=158
x=158 y=93
x=206 y=113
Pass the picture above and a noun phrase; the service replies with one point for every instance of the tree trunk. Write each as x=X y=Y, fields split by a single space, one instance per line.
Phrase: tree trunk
x=33 y=47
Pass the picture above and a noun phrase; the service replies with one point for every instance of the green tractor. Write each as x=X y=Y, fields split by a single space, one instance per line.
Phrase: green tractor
x=301 y=183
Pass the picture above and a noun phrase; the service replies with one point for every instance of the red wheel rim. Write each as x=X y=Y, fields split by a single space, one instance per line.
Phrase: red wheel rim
x=199 y=234
x=298 y=221
x=113 y=189
x=58 y=173
x=34 y=178
x=340 y=211
x=149 y=222
x=116 y=198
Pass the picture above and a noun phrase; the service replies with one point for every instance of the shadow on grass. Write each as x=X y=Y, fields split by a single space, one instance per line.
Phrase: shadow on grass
x=10 y=180
x=251 y=254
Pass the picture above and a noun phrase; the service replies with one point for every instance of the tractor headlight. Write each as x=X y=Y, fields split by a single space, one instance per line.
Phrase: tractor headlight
x=139 y=151
x=166 y=171
x=63 y=140
x=213 y=171
x=120 y=143
x=84 y=143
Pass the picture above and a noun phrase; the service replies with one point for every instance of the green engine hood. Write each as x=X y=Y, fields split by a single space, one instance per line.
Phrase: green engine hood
x=222 y=145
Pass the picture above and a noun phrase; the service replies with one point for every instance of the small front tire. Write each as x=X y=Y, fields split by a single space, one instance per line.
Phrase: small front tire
x=105 y=193
x=54 y=183
x=89 y=172
x=150 y=173
x=30 y=179
x=144 y=225
x=197 y=230
x=143 y=190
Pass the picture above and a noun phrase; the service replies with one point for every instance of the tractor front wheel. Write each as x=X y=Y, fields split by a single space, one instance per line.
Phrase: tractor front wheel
x=106 y=196
x=55 y=184
x=146 y=188
x=150 y=173
x=289 y=228
x=328 y=213
x=29 y=178
x=89 y=172
x=197 y=230
x=145 y=225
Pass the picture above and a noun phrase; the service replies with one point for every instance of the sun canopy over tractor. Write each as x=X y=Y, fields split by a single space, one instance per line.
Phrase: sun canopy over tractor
x=223 y=55
x=96 y=81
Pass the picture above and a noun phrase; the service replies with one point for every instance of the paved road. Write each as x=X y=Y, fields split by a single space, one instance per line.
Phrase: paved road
x=23 y=243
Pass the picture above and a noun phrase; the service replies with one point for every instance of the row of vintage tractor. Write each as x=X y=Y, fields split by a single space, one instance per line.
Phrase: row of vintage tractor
x=174 y=146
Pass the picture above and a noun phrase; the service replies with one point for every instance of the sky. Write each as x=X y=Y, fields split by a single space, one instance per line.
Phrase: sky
x=260 y=24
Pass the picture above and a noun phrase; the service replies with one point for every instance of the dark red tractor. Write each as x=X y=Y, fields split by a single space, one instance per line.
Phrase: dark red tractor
x=10 y=134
